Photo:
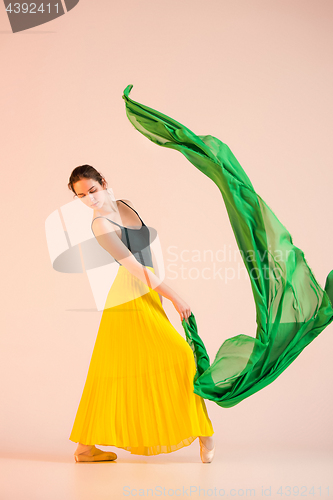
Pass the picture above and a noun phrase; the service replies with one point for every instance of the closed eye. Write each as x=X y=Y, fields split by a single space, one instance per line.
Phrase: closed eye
x=89 y=192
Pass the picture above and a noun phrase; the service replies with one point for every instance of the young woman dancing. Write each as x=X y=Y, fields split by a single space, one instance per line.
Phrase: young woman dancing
x=138 y=394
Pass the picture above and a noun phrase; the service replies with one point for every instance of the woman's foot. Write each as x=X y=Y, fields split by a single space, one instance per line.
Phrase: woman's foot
x=81 y=448
x=207 y=449
x=93 y=454
x=208 y=441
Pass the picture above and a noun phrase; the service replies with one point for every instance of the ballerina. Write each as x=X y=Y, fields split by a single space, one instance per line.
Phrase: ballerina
x=138 y=394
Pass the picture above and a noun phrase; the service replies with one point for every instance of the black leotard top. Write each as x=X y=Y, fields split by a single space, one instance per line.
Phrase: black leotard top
x=136 y=240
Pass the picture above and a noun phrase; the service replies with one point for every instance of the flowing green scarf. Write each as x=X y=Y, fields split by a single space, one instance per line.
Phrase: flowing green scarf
x=291 y=307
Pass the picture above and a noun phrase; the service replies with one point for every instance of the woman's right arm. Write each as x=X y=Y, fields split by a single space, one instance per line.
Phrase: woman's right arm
x=107 y=237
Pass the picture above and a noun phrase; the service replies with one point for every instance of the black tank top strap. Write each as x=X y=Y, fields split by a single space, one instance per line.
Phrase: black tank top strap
x=121 y=227
x=133 y=211
x=103 y=217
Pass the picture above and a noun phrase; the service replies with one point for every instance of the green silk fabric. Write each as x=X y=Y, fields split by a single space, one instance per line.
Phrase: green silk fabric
x=291 y=307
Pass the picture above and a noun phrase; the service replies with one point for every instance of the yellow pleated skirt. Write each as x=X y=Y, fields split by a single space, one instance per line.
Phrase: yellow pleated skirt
x=138 y=394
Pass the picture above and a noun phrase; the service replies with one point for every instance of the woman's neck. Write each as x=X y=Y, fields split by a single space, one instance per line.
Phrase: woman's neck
x=106 y=211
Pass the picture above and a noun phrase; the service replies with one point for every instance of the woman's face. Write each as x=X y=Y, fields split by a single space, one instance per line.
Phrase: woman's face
x=90 y=192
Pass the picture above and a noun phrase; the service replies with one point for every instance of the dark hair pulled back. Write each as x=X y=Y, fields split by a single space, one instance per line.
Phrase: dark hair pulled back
x=84 y=172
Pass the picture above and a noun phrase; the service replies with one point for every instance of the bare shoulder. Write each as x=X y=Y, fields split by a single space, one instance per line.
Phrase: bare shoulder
x=101 y=225
x=129 y=203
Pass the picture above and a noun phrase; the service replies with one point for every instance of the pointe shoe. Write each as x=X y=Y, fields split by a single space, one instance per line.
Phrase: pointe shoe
x=206 y=454
x=95 y=455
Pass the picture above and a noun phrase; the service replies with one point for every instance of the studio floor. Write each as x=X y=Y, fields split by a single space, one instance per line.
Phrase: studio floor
x=275 y=472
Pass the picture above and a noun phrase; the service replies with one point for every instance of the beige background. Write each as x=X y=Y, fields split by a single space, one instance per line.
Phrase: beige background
x=257 y=74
